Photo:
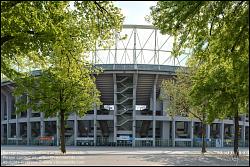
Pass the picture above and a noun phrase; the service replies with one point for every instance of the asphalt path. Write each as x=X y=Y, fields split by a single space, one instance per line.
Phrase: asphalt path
x=117 y=156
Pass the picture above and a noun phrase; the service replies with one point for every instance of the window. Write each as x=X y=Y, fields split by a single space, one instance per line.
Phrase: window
x=13 y=108
x=182 y=129
x=4 y=108
x=50 y=128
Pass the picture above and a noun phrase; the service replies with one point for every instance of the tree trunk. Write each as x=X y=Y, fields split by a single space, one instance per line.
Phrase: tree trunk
x=236 y=134
x=203 y=150
x=62 y=125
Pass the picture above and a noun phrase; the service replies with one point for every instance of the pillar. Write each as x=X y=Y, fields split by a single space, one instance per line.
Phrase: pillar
x=173 y=131
x=192 y=132
x=244 y=129
x=17 y=128
x=154 y=108
x=75 y=129
x=58 y=130
x=42 y=128
x=2 y=118
x=135 y=76
x=115 y=107
x=208 y=132
x=28 y=124
x=8 y=116
x=165 y=130
x=222 y=133
x=95 y=125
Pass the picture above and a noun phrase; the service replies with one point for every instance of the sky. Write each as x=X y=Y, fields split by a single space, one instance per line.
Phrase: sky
x=135 y=11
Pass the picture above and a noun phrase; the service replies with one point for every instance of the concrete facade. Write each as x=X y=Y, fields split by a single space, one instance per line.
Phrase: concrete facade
x=132 y=114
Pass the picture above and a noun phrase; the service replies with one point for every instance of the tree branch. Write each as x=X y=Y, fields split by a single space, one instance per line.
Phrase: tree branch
x=8 y=5
x=6 y=38
x=196 y=116
x=238 y=37
x=100 y=7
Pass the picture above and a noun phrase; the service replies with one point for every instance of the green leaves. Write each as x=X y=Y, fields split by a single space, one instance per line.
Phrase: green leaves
x=219 y=66
x=55 y=39
x=30 y=31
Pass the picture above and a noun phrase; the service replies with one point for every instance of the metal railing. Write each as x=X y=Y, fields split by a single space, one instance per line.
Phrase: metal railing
x=85 y=142
x=124 y=143
x=40 y=142
x=69 y=141
x=163 y=142
x=105 y=141
x=182 y=143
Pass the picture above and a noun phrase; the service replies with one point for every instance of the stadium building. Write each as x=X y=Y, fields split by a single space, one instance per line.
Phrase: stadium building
x=133 y=112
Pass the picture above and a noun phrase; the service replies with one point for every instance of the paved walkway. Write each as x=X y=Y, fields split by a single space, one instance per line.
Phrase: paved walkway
x=113 y=156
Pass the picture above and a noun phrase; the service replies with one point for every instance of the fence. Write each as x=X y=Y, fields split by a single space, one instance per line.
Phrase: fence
x=109 y=141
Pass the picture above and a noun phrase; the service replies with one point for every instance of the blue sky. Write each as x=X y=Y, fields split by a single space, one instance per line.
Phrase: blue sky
x=135 y=11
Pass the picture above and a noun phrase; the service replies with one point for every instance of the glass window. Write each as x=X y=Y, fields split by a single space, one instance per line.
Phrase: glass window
x=85 y=129
x=247 y=133
x=228 y=131
x=13 y=108
x=35 y=114
x=215 y=131
x=198 y=130
x=35 y=129
x=50 y=128
x=12 y=130
x=182 y=129
x=69 y=128
x=4 y=107
x=23 y=130
x=24 y=100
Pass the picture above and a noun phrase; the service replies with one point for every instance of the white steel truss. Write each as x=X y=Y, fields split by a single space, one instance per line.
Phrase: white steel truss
x=144 y=44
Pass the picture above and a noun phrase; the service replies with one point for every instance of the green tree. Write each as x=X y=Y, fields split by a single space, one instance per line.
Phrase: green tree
x=65 y=88
x=218 y=34
x=177 y=92
x=56 y=39
x=29 y=30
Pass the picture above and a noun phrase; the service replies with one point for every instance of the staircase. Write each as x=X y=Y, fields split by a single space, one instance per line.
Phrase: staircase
x=124 y=103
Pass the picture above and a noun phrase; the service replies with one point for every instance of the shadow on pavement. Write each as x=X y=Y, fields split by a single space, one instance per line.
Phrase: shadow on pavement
x=194 y=160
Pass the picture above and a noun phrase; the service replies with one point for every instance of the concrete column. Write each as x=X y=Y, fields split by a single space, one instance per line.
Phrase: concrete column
x=58 y=130
x=28 y=124
x=2 y=133
x=208 y=132
x=8 y=99
x=154 y=108
x=173 y=131
x=192 y=133
x=2 y=108
x=115 y=57
x=75 y=128
x=165 y=130
x=135 y=76
x=17 y=128
x=2 y=118
x=134 y=50
x=115 y=107
x=222 y=133
x=154 y=111
x=42 y=128
x=95 y=123
x=244 y=129
x=17 y=124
